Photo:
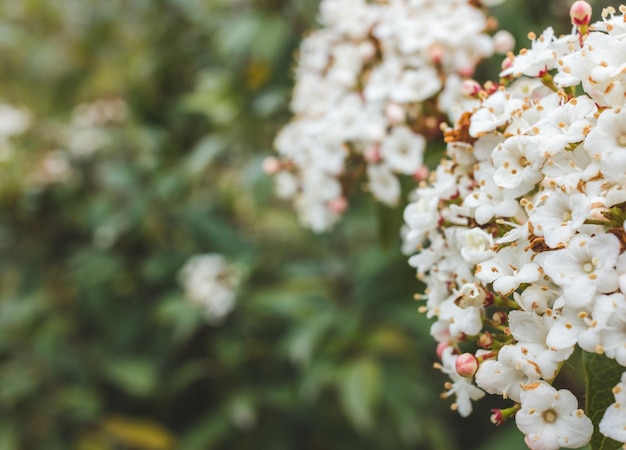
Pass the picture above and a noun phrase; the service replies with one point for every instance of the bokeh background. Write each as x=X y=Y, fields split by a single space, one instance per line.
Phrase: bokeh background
x=138 y=143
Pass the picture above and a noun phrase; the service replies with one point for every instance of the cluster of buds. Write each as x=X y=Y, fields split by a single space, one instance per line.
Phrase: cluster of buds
x=520 y=232
x=372 y=86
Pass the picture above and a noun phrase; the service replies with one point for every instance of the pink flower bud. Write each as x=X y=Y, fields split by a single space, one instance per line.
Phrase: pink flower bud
x=466 y=365
x=441 y=347
x=580 y=13
x=497 y=418
x=436 y=53
x=372 y=153
x=421 y=173
x=271 y=165
x=338 y=205
x=466 y=71
x=470 y=88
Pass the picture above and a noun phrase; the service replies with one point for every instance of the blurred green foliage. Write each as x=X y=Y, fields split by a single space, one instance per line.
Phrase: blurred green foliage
x=98 y=348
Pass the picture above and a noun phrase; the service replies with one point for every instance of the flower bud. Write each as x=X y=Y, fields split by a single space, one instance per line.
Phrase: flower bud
x=497 y=418
x=421 y=173
x=372 y=153
x=271 y=165
x=338 y=205
x=485 y=340
x=466 y=365
x=441 y=347
x=503 y=42
x=470 y=88
x=580 y=13
x=500 y=317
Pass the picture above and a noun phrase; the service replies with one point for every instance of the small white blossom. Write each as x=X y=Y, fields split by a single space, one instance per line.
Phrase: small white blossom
x=550 y=419
x=210 y=282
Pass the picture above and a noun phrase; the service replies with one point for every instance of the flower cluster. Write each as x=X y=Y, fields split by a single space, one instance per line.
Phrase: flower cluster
x=520 y=232
x=211 y=282
x=89 y=131
x=372 y=86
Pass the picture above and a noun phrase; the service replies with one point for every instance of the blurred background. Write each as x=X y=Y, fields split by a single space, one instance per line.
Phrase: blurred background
x=132 y=136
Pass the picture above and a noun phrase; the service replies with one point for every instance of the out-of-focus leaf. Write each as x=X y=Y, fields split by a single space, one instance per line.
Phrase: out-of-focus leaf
x=78 y=402
x=138 y=433
x=204 y=153
x=359 y=390
x=182 y=316
x=206 y=433
x=17 y=382
x=8 y=436
x=303 y=341
x=136 y=376
x=602 y=374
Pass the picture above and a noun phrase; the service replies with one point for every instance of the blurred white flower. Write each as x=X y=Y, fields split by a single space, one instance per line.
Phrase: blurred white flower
x=210 y=282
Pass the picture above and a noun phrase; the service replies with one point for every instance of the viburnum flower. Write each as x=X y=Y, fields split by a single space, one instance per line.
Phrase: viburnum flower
x=372 y=86
x=550 y=419
x=522 y=241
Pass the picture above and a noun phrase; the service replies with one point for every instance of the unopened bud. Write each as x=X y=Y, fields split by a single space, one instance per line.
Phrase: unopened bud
x=503 y=41
x=338 y=205
x=436 y=54
x=271 y=165
x=421 y=173
x=441 y=347
x=372 y=153
x=580 y=13
x=485 y=340
x=466 y=365
x=470 y=88
x=466 y=71
x=500 y=317
x=497 y=418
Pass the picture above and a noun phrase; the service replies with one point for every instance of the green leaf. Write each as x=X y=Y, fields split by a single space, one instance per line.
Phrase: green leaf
x=137 y=377
x=359 y=392
x=601 y=374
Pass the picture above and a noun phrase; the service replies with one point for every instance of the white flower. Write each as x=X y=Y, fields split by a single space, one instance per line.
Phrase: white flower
x=613 y=423
x=607 y=143
x=493 y=113
x=402 y=150
x=509 y=267
x=506 y=375
x=550 y=419
x=383 y=183
x=585 y=267
x=560 y=217
x=476 y=245
x=531 y=331
x=210 y=282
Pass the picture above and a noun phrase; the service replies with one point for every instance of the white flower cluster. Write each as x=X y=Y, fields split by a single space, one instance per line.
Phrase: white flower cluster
x=88 y=132
x=210 y=282
x=520 y=233
x=372 y=86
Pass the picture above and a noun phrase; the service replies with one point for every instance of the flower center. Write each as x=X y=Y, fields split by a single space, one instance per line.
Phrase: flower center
x=622 y=140
x=588 y=267
x=567 y=216
x=549 y=416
